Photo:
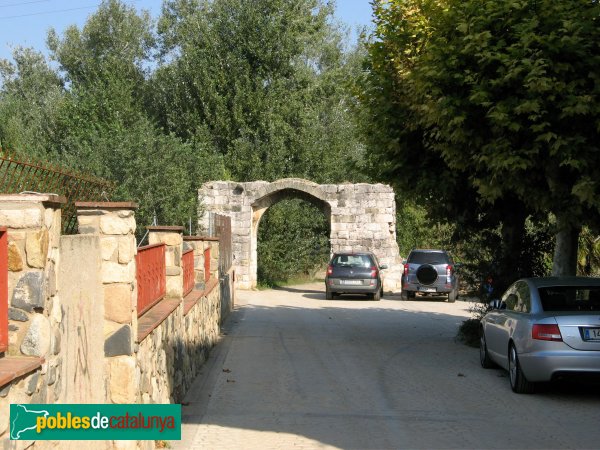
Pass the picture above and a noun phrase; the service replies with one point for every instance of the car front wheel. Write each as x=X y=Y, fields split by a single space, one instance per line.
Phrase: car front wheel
x=484 y=356
x=518 y=382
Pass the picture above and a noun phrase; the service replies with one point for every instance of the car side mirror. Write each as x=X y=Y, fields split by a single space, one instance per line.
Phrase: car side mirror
x=383 y=266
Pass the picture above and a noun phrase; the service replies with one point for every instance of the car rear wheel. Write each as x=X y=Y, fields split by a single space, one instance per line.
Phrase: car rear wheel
x=518 y=382
x=452 y=296
x=377 y=296
x=328 y=294
x=484 y=356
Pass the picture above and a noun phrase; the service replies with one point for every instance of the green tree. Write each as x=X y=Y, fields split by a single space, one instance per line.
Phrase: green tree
x=505 y=94
x=517 y=105
x=105 y=127
x=31 y=95
x=265 y=79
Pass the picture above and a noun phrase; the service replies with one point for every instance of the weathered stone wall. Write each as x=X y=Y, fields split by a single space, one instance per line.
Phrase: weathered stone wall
x=114 y=224
x=362 y=217
x=199 y=244
x=74 y=330
x=35 y=312
x=170 y=357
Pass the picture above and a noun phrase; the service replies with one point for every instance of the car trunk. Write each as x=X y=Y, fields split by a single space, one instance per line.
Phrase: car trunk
x=352 y=275
x=580 y=331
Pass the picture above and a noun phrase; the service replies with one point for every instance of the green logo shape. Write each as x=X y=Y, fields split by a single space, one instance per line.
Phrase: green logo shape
x=95 y=422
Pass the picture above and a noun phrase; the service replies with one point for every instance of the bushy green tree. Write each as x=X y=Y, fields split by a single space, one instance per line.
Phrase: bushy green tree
x=265 y=79
x=293 y=241
x=31 y=96
x=105 y=127
x=501 y=98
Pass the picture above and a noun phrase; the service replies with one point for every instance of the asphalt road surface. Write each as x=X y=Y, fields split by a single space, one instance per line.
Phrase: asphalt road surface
x=294 y=370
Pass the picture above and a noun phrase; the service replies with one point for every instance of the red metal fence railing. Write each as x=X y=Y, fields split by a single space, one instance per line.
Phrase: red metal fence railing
x=206 y=265
x=188 y=271
x=19 y=174
x=151 y=276
x=3 y=290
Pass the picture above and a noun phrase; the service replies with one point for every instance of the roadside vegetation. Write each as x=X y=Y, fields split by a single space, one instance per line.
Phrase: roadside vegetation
x=484 y=116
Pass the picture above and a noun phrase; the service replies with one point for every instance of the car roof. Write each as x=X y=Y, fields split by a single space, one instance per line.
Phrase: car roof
x=428 y=250
x=563 y=281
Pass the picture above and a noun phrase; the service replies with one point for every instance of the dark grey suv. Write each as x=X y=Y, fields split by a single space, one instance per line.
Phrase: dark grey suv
x=430 y=272
x=354 y=273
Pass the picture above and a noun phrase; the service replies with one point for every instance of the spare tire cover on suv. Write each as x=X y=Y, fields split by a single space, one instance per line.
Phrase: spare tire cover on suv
x=427 y=274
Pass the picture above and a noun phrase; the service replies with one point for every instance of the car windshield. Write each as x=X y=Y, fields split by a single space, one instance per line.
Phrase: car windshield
x=427 y=258
x=352 y=261
x=570 y=298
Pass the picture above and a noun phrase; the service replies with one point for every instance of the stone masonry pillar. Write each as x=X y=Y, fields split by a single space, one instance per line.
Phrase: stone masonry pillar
x=33 y=222
x=172 y=237
x=115 y=223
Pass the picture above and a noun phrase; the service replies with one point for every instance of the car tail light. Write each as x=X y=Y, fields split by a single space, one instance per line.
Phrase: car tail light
x=546 y=333
x=329 y=270
x=406 y=269
x=448 y=270
x=373 y=272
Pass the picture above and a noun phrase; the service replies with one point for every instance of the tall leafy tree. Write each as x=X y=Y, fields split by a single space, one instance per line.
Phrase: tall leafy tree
x=105 y=127
x=518 y=105
x=31 y=95
x=504 y=94
x=264 y=79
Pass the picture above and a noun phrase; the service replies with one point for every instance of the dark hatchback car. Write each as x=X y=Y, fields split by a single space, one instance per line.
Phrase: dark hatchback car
x=429 y=272
x=354 y=273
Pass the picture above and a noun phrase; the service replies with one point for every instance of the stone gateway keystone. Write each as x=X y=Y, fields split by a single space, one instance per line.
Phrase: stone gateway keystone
x=362 y=218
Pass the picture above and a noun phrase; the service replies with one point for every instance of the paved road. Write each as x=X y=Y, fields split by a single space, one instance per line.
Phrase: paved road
x=297 y=371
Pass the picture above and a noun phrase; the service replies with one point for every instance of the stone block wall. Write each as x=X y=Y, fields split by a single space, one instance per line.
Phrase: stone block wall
x=362 y=218
x=170 y=357
x=172 y=237
x=114 y=224
x=199 y=244
x=59 y=288
x=34 y=307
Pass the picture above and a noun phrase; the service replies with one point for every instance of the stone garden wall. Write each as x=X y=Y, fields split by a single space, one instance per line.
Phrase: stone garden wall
x=74 y=331
x=362 y=217
x=35 y=314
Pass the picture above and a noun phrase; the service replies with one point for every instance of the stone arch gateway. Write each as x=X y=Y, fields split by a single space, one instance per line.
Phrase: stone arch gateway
x=362 y=218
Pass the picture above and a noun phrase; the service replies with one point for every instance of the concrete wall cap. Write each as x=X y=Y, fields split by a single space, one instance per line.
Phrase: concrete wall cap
x=106 y=205
x=34 y=197
x=200 y=238
x=165 y=228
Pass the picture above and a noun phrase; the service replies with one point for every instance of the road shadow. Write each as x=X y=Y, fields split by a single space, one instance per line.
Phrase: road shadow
x=297 y=290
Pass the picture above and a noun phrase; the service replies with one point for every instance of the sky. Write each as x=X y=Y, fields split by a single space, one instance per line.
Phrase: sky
x=26 y=22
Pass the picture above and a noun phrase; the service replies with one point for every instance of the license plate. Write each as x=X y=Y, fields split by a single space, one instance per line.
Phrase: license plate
x=426 y=289
x=351 y=282
x=591 y=334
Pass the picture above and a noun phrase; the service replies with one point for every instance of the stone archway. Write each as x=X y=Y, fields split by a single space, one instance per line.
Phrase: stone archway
x=362 y=217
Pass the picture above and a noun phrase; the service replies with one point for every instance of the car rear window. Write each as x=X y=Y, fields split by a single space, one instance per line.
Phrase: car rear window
x=570 y=298
x=428 y=258
x=352 y=261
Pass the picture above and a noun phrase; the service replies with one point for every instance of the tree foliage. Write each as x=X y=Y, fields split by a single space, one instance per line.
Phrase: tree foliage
x=220 y=89
x=497 y=99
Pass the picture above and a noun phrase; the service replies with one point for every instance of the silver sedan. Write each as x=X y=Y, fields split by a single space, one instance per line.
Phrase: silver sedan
x=543 y=329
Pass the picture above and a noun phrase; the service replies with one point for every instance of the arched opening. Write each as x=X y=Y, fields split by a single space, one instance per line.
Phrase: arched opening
x=291 y=232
